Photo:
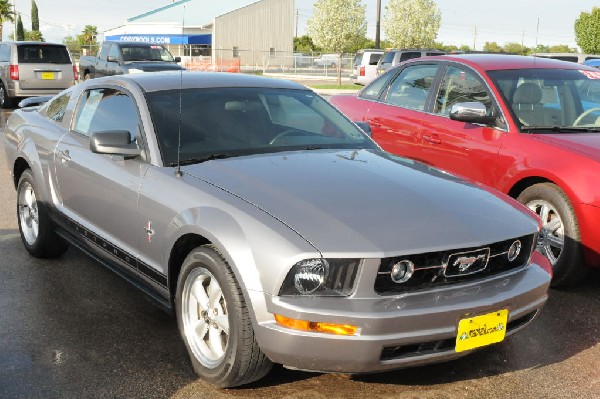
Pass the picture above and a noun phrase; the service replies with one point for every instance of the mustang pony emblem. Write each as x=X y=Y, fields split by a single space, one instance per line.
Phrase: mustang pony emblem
x=465 y=262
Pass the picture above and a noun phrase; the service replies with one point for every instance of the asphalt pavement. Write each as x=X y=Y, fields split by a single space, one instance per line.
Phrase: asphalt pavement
x=70 y=328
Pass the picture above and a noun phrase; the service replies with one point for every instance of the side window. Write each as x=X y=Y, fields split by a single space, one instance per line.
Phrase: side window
x=373 y=91
x=4 y=53
x=409 y=55
x=106 y=109
x=459 y=86
x=103 y=51
x=114 y=51
x=56 y=108
x=411 y=88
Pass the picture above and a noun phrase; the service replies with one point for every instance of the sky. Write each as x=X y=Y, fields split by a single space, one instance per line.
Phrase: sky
x=467 y=22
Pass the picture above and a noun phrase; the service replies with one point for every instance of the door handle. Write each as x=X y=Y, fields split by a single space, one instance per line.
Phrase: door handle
x=64 y=156
x=432 y=139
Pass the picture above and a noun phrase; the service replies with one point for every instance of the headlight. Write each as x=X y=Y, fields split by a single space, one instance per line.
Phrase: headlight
x=135 y=70
x=321 y=277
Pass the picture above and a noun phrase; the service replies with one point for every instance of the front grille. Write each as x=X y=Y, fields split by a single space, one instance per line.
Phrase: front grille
x=443 y=345
x=435 y=269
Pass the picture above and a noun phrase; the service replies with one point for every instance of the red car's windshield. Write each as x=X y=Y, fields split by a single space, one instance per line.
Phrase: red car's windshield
x=556 y=99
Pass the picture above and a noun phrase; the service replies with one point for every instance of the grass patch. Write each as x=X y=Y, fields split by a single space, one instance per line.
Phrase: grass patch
x=342 y=87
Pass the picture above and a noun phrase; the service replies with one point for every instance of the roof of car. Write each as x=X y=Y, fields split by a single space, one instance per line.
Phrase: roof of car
x=490 y=62
x=157 y=81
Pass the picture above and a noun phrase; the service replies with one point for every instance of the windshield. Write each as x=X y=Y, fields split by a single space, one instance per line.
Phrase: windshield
x=142 y=53
x=222 y=122
x=559 y=100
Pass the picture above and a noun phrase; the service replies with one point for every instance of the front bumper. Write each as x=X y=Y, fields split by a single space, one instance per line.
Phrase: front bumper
x=396 y=331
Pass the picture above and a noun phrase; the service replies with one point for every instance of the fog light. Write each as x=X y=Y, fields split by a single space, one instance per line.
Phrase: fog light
x=514 y=251
x=402 y=271
x=315 y=326
x=310 y=275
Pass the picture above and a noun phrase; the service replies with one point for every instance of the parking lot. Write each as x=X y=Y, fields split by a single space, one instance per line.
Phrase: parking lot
x=72 y=329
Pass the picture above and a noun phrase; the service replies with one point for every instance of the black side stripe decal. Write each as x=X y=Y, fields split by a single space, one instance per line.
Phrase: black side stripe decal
x=118 y=253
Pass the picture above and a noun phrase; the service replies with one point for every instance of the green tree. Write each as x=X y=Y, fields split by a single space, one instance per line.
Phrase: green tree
x=587 y=31
x=87 y=38
x=541 y=48
x=411 y=23
x=336 y=25
x=6 y=14
x=561 y=48
x=34 y=36
x=20 y=30
x=35 y=20
x=492 y=47
x=304 y=44
x=73 y=45
x=515 y=48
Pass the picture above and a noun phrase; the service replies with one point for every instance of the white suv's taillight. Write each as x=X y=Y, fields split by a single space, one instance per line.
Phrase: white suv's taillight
x=362 y=71
x=14 y=72
x=75 y=73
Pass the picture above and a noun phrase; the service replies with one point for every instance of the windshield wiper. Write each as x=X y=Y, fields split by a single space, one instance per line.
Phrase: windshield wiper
x=190 y=161
x=559 y=129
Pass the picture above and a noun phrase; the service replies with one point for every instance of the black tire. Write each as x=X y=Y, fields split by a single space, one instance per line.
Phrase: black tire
x=36 y=227
x=238 y=359
x=560 y=222
x=5 y=100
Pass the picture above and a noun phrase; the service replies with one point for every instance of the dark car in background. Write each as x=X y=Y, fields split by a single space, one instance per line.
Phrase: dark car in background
x=527 y=126
x=30 y=69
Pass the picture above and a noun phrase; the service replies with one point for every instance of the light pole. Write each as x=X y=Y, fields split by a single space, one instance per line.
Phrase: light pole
x=378 y=25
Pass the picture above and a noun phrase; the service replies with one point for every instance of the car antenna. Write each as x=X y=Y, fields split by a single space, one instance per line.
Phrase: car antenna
x=178 y=172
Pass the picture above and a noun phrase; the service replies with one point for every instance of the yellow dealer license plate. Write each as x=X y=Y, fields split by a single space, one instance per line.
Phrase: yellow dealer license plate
x=48 y=75
x=486 y=329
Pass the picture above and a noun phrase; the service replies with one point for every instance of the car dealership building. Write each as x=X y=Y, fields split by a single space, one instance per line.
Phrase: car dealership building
x=222 y=32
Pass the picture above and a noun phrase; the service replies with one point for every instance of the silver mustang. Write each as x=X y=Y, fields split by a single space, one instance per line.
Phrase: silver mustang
x=273 y=226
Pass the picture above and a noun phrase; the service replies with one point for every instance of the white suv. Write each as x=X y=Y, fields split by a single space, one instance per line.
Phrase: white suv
x=364 y=66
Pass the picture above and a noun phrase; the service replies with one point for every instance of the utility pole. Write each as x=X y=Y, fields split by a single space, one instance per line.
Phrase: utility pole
x=378 y=26
x=474 y=38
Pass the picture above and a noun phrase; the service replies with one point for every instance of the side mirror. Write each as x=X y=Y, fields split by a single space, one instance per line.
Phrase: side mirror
x=114 y=142
x=470 y=112
x=34 y=101
x=112 y=58
x=365 y=127
x=177 y=59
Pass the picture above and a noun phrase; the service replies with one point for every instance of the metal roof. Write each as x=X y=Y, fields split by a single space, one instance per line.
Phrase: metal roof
x=190 y=12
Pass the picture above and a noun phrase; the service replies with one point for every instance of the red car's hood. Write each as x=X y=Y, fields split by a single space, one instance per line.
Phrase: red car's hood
x=587 y=144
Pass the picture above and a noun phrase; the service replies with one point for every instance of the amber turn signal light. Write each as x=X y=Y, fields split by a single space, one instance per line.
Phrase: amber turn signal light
x=315 y=326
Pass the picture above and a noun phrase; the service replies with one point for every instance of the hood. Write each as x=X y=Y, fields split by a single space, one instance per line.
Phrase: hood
x=367 y=204
x=154 y=66
x=587 y=144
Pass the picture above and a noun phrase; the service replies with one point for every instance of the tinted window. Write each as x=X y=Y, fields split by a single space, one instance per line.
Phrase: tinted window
x=103 y=51
x=241 y=121
x=357 y=59
x=387 y=59
x=114 y=52
x=409 y=55
x=104 y=110
x=411 y=87
x=56 y=108
x=43 y=53
x=460 y=86
x=374 y=58
x=146 y=53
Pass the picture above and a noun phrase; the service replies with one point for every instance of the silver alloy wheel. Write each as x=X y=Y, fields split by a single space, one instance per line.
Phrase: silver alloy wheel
x=551 y=239
x=2 y=94
x=205 y=319
x=28 y=213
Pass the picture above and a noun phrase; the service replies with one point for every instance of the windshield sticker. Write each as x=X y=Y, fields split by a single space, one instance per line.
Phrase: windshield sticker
x=591 y=74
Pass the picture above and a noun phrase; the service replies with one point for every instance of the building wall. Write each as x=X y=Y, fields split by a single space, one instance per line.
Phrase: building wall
x=261 y=33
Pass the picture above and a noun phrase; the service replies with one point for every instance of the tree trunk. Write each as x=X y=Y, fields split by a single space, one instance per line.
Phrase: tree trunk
x=339 y=70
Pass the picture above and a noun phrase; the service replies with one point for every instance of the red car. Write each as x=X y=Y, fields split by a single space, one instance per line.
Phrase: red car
x=529 y=127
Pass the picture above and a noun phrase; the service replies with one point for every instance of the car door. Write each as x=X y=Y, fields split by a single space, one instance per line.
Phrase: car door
x=466 y=149
x=98 y=193
x=396 y=118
